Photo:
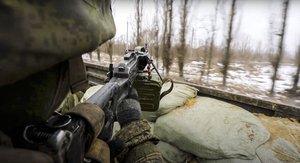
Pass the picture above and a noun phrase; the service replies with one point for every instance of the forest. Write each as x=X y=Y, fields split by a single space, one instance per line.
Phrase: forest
x=235 y=63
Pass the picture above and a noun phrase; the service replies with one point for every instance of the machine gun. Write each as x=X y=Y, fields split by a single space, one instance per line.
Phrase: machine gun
x=121 y=80
x=63 y=133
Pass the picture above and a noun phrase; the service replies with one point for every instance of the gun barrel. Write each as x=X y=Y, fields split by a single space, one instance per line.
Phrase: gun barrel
x=106 y=93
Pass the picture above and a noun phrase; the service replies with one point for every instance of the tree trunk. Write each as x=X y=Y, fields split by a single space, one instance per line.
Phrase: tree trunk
x=110 y=50
x=139 y=10
x=164 y=37
x=227 y=56
x=280 y=45
x=98 y=54
x=156 y=46
x=169 y=35
x=91 y=55
x=204 y=59
x=296 y=77
x=212 y=40
x=182 y=48
x=167 y=55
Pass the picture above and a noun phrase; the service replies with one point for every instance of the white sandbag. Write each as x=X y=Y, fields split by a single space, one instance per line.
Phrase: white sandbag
x=278 y=151
x=233 y=160
x=176 y=98
x=212 y=129
x=284 y=143
x=266 y=154
x=152 y=126
x=172 y=154
x=89 y=92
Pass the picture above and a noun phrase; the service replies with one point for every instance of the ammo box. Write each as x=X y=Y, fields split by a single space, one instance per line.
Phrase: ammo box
x=149 y=92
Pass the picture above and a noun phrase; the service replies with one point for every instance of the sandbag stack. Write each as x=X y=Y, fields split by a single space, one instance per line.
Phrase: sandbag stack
x=201 y=129
x=213 y=131
x=284 y=144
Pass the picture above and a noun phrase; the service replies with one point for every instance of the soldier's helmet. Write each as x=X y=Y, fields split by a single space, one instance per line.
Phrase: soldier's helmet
x=37 y=34
x=36 y=38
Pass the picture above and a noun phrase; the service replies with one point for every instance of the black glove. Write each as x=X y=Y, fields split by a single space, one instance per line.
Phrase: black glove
x=129 y=110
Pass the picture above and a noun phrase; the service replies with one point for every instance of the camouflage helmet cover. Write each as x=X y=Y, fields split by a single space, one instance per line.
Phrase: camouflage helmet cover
x=35 y=34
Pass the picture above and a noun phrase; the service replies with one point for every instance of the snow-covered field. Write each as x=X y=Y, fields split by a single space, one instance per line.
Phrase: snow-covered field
x=251 y=79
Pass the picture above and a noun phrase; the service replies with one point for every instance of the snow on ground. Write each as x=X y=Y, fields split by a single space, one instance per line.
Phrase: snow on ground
x=251 y=79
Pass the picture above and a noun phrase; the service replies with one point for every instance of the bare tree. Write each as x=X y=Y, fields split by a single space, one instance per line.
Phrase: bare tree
x=281 y=35
x=227 y=55
x=271 y=51
x=127 y=43
x=204 y=58
x=109 y=49
x=182 y=48
x=98 y=50
x=212 y=40
x=296 y=77
x=164 y=36
x=168 y=43
x=156 y=46
x=192 y=43
x=91 y=55
x=271 y=38
x=139 y=15
x=167 y=55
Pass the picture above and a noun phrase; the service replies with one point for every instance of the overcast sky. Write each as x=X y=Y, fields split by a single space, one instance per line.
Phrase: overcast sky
x=252 y=21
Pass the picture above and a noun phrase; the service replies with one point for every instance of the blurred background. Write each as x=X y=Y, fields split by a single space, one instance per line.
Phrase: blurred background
x=249 y=47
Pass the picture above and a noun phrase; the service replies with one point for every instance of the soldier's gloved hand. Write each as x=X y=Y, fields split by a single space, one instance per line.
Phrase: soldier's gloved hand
x=129 y=110
x=135 y=134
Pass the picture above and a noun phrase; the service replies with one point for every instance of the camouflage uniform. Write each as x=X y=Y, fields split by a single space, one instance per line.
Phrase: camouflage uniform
x=41 y=43
x=139 y=143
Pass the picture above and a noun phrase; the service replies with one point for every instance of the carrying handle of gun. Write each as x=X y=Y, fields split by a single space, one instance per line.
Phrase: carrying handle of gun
x=169 y=90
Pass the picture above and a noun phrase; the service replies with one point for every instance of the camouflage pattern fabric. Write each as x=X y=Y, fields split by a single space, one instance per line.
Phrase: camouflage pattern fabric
x=32 y=100
x=93 y=115
x=139 y=142
x=35 y=35
x=37 y=38
x=70 y=102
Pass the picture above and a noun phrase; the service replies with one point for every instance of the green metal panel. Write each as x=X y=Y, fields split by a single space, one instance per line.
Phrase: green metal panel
x=149 y=93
